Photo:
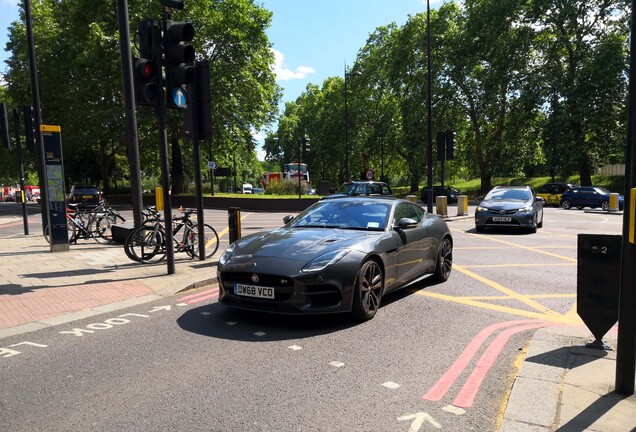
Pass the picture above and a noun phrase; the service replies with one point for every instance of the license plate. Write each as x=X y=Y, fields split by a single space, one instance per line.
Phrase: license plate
x=87 y=196
x=253 y=291
x=501 y=219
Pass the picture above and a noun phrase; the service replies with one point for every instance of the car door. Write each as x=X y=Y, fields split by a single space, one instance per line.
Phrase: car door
x=415 y=255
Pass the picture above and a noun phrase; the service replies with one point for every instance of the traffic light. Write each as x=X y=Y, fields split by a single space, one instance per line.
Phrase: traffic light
x=4 y=126
x=306 y=148
x=27 y=112
x=441 y=144
x=450 y=145
x=145 y=70
x=198 y=113
x=145 y=77
x=179 y=61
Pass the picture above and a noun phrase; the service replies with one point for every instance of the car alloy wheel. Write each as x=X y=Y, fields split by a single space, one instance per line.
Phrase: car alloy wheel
x=444 y=261
x=566 y=204
x=368 y=290
x=605 y=205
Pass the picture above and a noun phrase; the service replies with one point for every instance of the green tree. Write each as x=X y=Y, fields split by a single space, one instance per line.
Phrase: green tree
x=79 y=66
x=584 y=51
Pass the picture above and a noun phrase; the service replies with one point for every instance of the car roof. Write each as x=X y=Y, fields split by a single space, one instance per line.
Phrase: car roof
x=512 y=187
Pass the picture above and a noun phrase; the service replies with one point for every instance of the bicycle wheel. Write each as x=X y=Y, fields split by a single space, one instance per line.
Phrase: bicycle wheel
x=211 y=241
x=103 y=232
x=146 y=243
x=70 y=226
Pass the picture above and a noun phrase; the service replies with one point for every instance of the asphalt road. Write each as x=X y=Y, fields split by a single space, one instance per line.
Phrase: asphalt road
x=434 y=357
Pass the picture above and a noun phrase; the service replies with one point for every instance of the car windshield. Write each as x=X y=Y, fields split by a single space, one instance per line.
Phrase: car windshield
x=603 y=190
x=345 y=214
x=508 y=194
x=347 y=188
x=85 y=190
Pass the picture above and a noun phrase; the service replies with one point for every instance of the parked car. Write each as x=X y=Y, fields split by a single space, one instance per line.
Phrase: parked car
x=85 y=195
x=552 y=192
x=589 y=196
x=257 y=191
x=361 y=188
x=510 y=206
x=247 y=188
x=451 y=193
x=339 y=255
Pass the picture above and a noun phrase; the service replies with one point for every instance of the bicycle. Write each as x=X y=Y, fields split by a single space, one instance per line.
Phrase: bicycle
x=86 y=224
x=146 y=243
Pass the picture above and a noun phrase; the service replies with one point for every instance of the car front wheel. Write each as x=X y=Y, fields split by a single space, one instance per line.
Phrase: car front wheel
x=368 y=290
x=566 y=204
x=444 y=261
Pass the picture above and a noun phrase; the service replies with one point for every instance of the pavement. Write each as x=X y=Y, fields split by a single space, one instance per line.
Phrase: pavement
x=562 y=385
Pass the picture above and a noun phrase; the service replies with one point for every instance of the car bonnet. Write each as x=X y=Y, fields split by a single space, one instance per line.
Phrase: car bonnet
x=299 y=243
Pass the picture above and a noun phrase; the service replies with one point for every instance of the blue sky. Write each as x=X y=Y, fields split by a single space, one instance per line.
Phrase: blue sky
x=312 y=39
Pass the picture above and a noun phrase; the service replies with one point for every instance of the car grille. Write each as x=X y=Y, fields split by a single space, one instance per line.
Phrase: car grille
x=505 y=212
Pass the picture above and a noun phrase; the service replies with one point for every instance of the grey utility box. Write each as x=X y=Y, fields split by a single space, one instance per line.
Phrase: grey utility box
x=597 y=280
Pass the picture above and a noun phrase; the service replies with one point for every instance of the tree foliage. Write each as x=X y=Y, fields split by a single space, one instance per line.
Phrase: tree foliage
x=529 y=87
x=80 y=80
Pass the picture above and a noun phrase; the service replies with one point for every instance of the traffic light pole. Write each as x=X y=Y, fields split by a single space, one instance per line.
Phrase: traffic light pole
x=132 y=145
x=163 y=152
x=626 y=342
x=35 y=95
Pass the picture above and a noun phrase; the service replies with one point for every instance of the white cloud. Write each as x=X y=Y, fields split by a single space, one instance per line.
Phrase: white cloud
x=283 y=73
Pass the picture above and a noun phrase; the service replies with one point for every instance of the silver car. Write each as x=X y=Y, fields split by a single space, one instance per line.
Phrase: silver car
x=510 y=206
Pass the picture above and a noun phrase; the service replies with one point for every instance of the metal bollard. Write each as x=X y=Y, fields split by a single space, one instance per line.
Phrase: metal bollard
x=234 y=223
x=441 y=205
x=462 y=205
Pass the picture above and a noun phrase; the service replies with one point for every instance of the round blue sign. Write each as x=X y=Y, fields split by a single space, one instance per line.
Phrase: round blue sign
x=179 y=97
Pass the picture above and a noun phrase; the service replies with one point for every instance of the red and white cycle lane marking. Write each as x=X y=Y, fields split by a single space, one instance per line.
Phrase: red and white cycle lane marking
x=199 y=297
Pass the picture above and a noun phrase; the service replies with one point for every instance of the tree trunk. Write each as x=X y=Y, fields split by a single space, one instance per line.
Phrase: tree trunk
x=585 y=172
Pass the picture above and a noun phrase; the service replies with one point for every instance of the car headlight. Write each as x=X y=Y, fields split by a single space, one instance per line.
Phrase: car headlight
x=525 y=209
x=325 y=260
x=227 y=254
x=481 y=209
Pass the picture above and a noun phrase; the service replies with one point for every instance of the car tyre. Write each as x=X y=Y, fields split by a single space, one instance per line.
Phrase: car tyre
x=368 y=290
x=605 y=205
x=480 y=228
x=540 y=224
x=444 y=264
x=566 y=204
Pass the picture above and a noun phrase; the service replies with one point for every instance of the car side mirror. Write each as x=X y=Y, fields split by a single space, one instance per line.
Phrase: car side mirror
x=287 y=219
x=406 y=223
x=480 y=197
x=540 y=200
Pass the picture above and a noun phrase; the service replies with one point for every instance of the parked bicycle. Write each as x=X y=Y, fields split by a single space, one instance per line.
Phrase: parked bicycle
x=147 y=242
x=86 y=224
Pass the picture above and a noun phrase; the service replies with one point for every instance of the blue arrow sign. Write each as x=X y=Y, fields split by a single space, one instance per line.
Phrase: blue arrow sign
x=179 y=97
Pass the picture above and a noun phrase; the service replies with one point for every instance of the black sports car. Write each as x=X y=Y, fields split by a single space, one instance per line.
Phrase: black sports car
x=339 y=255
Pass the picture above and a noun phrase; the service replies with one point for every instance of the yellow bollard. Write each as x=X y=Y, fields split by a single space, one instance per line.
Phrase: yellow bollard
x=441 y=205
x=462 y=205
x=159 y=198
x=411 y=198
x=613 y=202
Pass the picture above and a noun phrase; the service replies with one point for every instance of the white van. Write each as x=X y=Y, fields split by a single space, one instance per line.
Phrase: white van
x=247 y=188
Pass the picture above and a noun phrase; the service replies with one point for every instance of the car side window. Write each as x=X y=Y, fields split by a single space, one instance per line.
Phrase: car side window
x=407 y=210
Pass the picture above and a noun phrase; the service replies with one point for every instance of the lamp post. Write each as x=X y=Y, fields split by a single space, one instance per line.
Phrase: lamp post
x=346 y=119
x=301 y=143
x=430 y=111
